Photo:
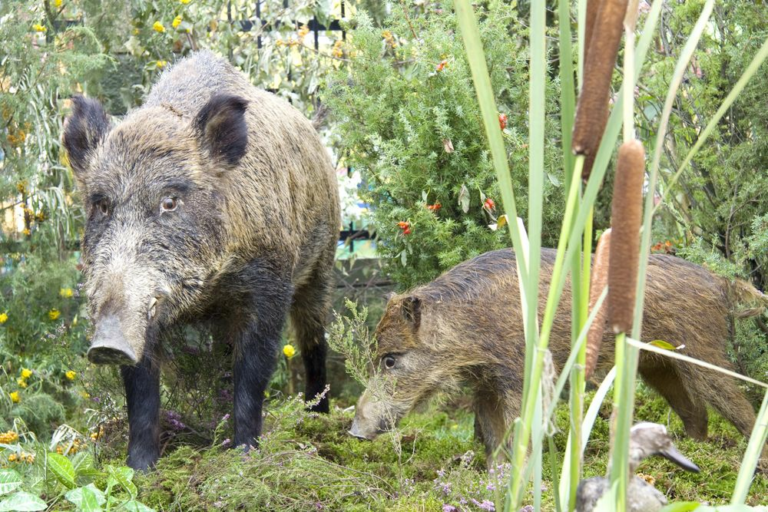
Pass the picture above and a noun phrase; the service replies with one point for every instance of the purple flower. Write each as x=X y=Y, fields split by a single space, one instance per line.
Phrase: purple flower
x=449 y=508
x=490 y=487
x=487 y=505
x=446 y=488
x=225 y=418
x=226 y=442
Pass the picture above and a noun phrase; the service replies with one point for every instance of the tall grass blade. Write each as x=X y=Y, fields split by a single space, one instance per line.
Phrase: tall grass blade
x=490 y=115
x=677 y=79
x=756 y=442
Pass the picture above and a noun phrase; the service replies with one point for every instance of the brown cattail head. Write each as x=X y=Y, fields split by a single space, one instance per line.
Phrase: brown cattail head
x=593 y=7
x=626 y=212
x=592 y=109
x=597 y=284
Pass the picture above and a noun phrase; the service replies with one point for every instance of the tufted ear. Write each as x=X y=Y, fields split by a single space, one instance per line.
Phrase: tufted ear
x=221 y=126
x=84 y=129
x=411 y=310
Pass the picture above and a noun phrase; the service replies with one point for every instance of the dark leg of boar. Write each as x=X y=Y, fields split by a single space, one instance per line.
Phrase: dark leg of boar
x=308 y=316
x=142 y=391
x=665 y=379
x=256 y=340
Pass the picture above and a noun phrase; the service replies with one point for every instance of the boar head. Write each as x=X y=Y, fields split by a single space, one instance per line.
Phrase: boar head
x=408 y=370
x=153 y=237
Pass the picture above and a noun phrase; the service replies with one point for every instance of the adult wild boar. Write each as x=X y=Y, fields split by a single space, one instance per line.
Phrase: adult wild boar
x=466 y=326
x=214 y=200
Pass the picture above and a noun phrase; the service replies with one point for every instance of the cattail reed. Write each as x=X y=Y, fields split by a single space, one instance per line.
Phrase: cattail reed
x=626 y=219
x=592 y=109
x=596 y=286
x=593 y=8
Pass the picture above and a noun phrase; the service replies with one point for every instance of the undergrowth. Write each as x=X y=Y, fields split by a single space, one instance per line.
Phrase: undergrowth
x=308 y=462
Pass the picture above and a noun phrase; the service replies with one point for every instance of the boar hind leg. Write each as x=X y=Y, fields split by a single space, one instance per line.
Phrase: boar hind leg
x=142 y=391
x=308 y=316
x=692 y=410
x=256 y=339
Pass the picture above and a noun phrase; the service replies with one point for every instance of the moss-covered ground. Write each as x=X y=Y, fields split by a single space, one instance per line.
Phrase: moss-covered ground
x=308 y=462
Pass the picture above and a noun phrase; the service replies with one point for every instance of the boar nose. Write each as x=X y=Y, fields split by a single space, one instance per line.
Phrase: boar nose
x=355 y=431
x=109 y=345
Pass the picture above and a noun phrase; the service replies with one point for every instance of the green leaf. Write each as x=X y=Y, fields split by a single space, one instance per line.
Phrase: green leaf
x=9 y=481
x=22 y=502
x=62 y=469
x=123 y=476
x=662 y=344
x=682 y=506
x=88 y=496
x=136 y=506
x=91 y=500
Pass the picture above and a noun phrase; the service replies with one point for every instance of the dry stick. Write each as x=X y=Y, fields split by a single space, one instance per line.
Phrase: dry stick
x=596 y=286
x=625 y=245
x=592 y=109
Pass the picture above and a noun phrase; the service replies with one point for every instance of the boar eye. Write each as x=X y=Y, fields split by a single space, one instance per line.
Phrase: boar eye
x=102 y=206
x=389 y=362
x=168 y=204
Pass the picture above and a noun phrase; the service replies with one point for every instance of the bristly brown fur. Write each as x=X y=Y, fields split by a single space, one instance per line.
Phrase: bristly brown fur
x=471 y=330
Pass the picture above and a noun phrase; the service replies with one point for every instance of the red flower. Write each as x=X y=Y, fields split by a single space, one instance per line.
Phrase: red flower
x=489 y=204
x=403 y=224
x=442 y=65
x=434 y=207
x=503 y=121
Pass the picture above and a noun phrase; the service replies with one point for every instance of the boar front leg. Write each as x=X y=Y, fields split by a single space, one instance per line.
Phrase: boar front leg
x=142 y=392
x=256 y=330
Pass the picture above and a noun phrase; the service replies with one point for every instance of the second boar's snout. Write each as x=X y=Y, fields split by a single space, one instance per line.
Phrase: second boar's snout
x=109 y=344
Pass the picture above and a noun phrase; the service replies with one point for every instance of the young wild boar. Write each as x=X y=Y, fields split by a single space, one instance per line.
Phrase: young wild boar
x=466 y=327
x=214 y=201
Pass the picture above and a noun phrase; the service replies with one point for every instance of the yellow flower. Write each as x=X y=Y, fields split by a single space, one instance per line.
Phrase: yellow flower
x=303 y=31
x=22 y=383
x=85 y=395
x=289 y=351
x=26 y=373
x=338 y=52
x=158 y=27
x=176 y=22
x=66 y=293
x=39 y=28
x=26 y=231
x=13 y=457
x=9 y=437
x=185 y=2
x=3 y=318
x=161 y=64
x=57 y=3
x=71 y=374
x=136 y=31
x=54 y=314
x=15 y=398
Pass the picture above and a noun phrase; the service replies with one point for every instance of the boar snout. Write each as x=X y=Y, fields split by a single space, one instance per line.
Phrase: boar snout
x=109 y=344
x=372 y=417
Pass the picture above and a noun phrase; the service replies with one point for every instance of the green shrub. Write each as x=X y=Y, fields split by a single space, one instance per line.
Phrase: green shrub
x=408 y=119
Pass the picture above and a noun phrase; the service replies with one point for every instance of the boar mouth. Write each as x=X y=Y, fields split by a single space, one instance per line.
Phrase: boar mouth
x=109 y=344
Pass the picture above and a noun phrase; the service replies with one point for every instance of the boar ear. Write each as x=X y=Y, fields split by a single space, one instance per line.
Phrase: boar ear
x=411 y=310
x=222 y=128
x=84 y=130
